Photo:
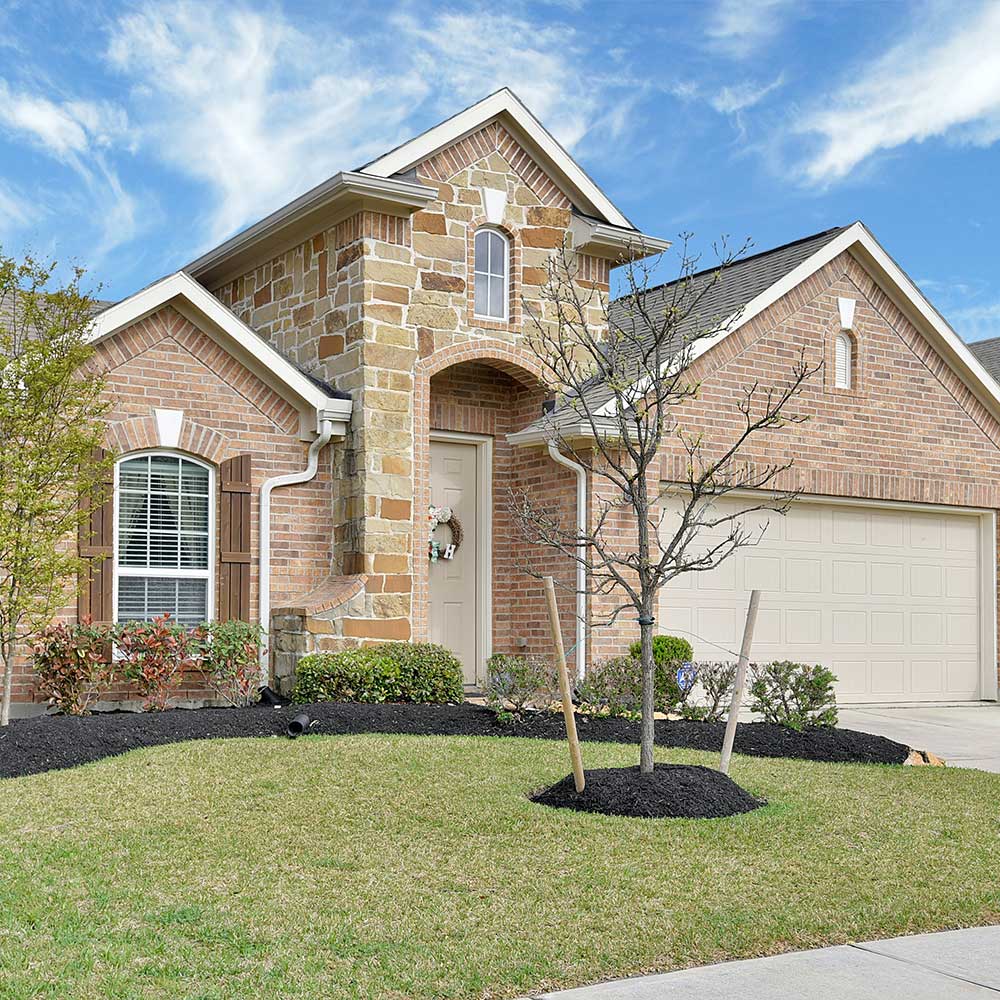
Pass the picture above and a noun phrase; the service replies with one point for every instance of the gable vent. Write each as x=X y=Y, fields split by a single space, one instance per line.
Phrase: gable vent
x=843 y=349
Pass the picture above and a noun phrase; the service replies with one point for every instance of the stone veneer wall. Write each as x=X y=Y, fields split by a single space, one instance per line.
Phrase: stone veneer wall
x=376 y=305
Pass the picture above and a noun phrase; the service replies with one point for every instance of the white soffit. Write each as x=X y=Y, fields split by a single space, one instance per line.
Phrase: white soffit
x=527 y=129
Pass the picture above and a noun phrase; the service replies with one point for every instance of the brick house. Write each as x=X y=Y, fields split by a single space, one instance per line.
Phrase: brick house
x=288 y=406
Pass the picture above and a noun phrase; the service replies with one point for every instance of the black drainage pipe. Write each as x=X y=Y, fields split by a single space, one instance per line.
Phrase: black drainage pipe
x=298 y=725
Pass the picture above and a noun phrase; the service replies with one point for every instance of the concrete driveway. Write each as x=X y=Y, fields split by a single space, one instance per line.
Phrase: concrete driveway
x=964 y=737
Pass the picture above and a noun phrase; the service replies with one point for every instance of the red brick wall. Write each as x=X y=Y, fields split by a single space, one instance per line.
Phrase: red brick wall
x=165 y=361
x=908 y=430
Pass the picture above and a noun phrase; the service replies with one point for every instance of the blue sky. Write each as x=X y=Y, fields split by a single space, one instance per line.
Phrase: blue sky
x=134 y=137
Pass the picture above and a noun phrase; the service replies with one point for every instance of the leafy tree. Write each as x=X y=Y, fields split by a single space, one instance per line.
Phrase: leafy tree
x=622 y=375
x=52 y=412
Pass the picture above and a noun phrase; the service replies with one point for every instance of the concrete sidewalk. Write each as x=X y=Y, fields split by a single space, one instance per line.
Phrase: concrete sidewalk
x=959 y=964
x=967 y=736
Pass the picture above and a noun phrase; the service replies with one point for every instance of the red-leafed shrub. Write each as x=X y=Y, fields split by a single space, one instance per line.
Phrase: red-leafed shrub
x=154 y=655
x=73 y=665
x=230 y=660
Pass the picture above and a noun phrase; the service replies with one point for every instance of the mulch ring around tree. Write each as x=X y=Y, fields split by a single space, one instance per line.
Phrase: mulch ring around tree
x=30 y=746
x=671 y=790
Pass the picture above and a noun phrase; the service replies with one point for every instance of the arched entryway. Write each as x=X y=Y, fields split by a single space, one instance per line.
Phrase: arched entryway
x=468 y=401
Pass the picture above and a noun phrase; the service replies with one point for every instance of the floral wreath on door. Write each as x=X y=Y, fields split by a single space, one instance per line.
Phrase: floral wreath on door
x=439 y=516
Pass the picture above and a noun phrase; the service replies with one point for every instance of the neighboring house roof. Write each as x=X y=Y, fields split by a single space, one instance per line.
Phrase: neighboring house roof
x=387 y=184
x=315 y=399
x=987 y=352
x=748 y=287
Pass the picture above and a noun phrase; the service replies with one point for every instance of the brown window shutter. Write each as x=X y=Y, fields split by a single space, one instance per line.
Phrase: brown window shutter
x=234 y=539
x=96 y=547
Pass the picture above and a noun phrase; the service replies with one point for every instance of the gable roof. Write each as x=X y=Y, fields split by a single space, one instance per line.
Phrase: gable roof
x=314 y=399
x=504 y=104
x=748 y=287
x=387 y=184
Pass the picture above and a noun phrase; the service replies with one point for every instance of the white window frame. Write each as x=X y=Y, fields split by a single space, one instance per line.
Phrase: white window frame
x=843 y=341
x=159 y=571
x=505 y=239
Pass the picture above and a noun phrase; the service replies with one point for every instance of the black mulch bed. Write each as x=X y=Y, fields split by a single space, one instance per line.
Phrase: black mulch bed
x=678 y=790
x=30 y=746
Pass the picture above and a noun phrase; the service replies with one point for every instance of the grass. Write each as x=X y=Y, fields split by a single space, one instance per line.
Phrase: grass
x=415 y=867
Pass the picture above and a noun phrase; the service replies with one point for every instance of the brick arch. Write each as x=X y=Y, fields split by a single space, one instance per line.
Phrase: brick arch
x=515 y=362
x=141 y=434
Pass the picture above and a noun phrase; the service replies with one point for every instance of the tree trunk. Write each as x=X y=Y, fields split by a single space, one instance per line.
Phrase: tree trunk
x=8 y=681
x=648 y=690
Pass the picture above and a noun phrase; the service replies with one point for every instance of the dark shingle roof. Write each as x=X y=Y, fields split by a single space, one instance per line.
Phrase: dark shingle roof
x=718 y=296
x=987 y=353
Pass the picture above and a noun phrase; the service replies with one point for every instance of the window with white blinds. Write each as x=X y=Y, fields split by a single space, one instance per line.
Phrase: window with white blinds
x=843 y=361
x=491 y=274
x=163 y=556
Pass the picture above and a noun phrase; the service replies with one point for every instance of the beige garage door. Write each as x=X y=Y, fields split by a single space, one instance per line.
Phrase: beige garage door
x=887 y=599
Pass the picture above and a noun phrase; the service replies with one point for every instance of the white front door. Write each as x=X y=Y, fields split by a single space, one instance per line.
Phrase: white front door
x=454 y=583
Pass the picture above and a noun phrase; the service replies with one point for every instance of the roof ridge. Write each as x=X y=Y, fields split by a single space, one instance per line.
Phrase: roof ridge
x=744 y=260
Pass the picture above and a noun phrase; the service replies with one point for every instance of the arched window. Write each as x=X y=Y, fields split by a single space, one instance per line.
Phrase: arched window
x=843 y=361
x=491 y=267
x=164 y=517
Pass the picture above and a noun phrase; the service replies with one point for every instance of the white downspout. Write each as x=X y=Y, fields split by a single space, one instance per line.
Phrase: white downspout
x=292 y=479
x=581 y=548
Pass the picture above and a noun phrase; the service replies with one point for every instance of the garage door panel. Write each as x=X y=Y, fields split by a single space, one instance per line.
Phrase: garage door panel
x=887 y=579
x=803 y=576
x=889 y=600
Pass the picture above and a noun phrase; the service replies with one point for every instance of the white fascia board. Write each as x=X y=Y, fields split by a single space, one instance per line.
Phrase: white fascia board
x=619 y=245
x=568 y=432
x=503 y=102
x=857 y=240
x=347 y=189
x=182 y=290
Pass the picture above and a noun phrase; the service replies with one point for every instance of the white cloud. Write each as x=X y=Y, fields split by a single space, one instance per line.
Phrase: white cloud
x=741 y=28
x=76 y=133
x=731 y=100
x=64 y=129
x=977 y=322
x=259 y=110
x=248 y=104
x=466 y=56
x=942 y=81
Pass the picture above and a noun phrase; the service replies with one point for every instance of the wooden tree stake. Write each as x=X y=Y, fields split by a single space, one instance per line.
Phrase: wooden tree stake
x=564 y=690
x=740 y=683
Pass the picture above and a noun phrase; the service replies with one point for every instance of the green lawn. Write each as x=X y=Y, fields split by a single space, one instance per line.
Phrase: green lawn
x=416 y=867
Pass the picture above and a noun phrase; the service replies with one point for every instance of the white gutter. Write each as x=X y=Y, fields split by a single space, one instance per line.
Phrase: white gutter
x=581 y=570
x=326 y=427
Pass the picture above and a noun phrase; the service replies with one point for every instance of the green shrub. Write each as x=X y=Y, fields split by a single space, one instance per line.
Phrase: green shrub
x=794 y=694
x=428 y=673
x=613 y=687
x=73 y=665
x=716 y=680
x=513 y=683
x=669 y=653
x=395 y=671
x=230 y=659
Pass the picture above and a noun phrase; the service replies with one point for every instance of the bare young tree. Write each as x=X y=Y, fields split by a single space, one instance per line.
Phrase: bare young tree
x=621 y=374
